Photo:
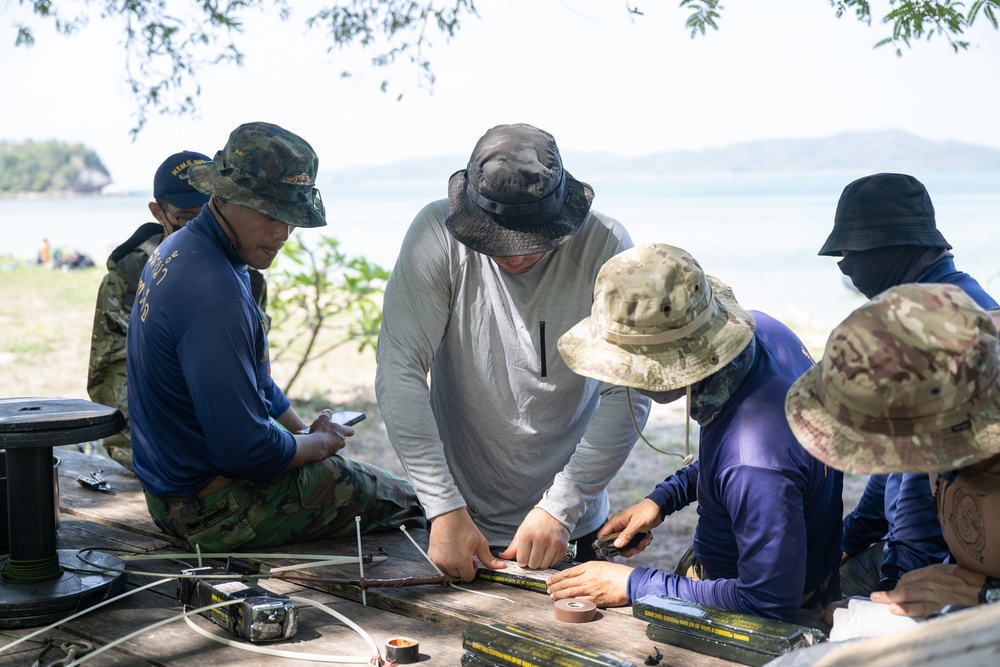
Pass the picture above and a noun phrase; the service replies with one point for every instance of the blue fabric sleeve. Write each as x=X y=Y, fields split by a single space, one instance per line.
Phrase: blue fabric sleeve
x=915 y=535
x=219 y=366
x=276 y=398
x=768 y=526
x=867 y=523
x=677 y=491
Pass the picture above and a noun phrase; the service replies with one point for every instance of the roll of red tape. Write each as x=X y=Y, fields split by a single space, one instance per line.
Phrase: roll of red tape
x=402 y=650
x=575 y=610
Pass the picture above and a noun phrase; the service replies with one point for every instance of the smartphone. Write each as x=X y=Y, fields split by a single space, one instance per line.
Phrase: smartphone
x=347 y=417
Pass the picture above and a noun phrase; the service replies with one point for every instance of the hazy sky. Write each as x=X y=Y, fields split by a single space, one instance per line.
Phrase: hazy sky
x=599 y=79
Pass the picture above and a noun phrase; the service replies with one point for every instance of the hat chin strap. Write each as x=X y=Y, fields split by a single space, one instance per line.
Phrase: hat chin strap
x=687 y=457
x=234 y=242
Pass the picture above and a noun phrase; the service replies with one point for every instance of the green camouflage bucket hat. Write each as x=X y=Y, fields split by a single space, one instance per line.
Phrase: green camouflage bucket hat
x=657 y=323
x=515 y=198
x=908 y=383
x=268 y=169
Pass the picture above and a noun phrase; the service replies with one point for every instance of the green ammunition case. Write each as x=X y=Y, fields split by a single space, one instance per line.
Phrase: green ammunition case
x=743 y=638
x=504 y=645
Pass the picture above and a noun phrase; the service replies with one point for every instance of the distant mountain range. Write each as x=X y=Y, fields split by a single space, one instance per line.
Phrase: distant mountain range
x=862 y=152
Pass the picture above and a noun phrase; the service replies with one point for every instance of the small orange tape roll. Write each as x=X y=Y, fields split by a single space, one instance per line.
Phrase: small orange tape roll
x=402 y=650
x=575 y=610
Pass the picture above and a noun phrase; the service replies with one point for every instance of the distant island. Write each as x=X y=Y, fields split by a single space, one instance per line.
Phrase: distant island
x=860 y=152
x=50 y=168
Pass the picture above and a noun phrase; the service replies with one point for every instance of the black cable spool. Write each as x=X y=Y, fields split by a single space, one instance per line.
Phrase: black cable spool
x=40 y=584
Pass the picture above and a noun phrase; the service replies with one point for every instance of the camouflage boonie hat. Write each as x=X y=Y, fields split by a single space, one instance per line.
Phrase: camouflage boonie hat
x=908 y=383
x=515 y=198
x=657 y=323
x=268 y=169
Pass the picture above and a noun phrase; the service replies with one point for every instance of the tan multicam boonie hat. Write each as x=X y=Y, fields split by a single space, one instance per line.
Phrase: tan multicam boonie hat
x=268 y=169
x=908 y=383
x=658 y=322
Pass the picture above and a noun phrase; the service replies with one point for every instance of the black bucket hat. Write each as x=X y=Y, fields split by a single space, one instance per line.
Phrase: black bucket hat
x=515 y=198
x=266 y=168
x=883 y=210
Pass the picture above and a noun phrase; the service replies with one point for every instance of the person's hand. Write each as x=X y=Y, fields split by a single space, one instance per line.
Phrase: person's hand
x=640 y=518
x=324 y=438
x=827 y=615
x=540 y=541
x=604 y=583
x=454 y=540
x=844 y=557
x=928 y=590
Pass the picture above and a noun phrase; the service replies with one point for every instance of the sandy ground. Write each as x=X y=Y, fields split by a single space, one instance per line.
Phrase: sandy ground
x=45 y=324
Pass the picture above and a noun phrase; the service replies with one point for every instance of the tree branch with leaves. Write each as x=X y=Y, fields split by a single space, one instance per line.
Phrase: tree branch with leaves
x=322 y=300
x=910 y=20
x=167 y=43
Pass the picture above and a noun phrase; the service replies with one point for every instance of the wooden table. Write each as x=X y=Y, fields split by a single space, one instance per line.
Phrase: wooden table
x=434 y=615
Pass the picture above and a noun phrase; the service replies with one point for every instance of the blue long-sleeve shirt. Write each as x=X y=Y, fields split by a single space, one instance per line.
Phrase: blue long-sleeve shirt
x=944 y=271
x=899 y=507
x=769 y=526
x=199 y=377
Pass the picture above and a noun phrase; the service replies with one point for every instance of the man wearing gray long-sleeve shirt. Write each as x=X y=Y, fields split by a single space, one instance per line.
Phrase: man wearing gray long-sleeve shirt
x=507 y=446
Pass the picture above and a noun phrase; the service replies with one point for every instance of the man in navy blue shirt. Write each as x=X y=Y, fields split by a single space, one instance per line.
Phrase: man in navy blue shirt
x=215 y=467
x=886 y=234
x=768 y=536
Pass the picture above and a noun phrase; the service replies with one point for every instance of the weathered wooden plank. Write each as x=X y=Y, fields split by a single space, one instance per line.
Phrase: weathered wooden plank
x=175 y=644
x=125 y=508
x=435 y=610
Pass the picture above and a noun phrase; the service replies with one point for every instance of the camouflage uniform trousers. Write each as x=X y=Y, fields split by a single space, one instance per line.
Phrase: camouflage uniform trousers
x=317 y=500
x=862 y=573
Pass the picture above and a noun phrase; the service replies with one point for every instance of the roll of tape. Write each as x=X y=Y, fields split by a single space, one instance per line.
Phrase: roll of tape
x=575 y=610
x=402 y=650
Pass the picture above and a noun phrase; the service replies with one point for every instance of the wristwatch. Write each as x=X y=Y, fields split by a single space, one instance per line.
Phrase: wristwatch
x=990 y=592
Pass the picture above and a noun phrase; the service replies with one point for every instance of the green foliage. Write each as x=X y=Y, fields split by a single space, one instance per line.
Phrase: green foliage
x=322 y=299
x=48 y=166
x=703 y=15
x=910 y=19
x=166 y=45
x=165 y=48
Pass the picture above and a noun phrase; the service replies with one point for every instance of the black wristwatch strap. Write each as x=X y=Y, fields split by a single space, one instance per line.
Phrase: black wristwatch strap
x=990 y=592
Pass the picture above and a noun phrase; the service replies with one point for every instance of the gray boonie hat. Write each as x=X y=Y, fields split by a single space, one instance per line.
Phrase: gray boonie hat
x=908 y=383
x=268 y=169
x=882 y=210
x=515 y=198
x=657 y=323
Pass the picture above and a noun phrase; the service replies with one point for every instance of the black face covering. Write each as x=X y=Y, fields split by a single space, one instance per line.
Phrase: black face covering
x=876 y=270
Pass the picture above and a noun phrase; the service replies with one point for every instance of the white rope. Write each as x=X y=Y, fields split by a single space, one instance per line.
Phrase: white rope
x=295 y=655
x=81 y=613
x=438 y=570
x=140 y=631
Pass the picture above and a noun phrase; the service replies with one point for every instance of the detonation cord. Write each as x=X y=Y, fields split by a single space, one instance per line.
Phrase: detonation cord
x=318 y=560
x=438 y=570
x=374 y=658
x=687 y=457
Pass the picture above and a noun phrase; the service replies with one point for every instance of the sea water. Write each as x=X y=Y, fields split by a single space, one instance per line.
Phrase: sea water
x=757 y=232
